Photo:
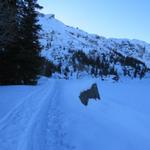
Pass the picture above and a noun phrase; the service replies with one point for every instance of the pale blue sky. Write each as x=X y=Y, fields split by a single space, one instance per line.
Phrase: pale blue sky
x=110 y=18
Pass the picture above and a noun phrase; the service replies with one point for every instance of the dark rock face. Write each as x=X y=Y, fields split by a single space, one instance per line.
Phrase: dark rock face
x=91 y=93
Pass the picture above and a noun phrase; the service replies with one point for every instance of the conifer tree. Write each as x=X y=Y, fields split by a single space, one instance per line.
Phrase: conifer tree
x=29 y=55
x=8 y=34
x=20 y=60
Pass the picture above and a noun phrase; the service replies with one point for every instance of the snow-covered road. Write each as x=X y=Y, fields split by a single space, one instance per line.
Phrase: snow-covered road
x=25 y=126
x=50 y=116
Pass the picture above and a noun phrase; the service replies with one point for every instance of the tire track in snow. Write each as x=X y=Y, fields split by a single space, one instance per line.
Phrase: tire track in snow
x=37 y=123
x=15 y=125
x=56 y=124
x=36 y=132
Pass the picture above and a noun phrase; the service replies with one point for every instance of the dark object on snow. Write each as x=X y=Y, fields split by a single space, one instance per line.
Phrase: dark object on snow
x=91 y=93
x=116 y=78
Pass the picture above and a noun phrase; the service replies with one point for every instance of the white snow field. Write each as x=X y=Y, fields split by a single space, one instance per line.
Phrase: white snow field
x=50 y=116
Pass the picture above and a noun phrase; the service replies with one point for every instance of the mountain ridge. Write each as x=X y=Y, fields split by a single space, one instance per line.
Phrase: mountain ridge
x=61 y=41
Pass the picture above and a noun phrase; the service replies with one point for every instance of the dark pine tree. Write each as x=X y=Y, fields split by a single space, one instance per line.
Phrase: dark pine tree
x=30 y=61
x=20 y=61
x=8 y=41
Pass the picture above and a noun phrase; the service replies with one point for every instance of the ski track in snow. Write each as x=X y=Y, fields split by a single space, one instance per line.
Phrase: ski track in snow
x=28 y=126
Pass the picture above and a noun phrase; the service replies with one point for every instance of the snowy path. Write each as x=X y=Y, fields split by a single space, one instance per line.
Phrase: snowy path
x=25 y=127
x=51 y=117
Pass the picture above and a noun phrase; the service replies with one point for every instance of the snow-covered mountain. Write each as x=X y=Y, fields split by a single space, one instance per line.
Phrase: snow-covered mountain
x=61 y=42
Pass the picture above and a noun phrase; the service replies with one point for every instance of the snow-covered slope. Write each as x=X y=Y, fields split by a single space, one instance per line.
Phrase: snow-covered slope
x=59 y=40
x=50 y=116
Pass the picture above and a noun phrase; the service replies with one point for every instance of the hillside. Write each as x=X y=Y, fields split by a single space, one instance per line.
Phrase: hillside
x=121 y=57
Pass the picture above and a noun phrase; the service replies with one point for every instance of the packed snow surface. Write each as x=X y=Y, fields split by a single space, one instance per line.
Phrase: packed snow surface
x=50 y=116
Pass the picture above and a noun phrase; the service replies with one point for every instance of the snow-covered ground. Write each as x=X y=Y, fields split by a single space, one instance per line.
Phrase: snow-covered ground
x=50 y=116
